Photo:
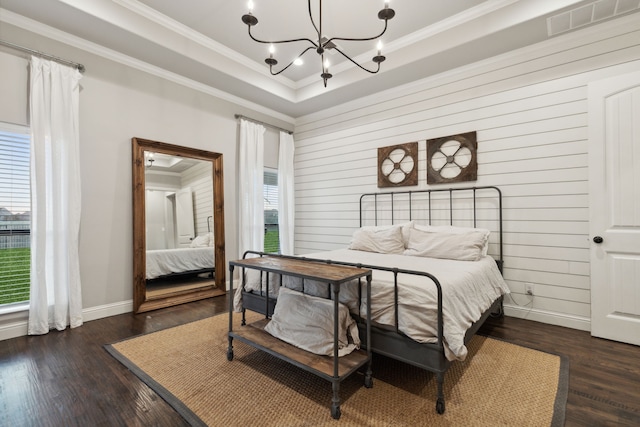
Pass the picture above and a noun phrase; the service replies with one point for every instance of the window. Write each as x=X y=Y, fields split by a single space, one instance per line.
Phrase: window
x=271 y=233
x=15 y=214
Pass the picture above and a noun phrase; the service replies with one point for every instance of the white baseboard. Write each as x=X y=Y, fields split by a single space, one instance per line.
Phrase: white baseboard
x=573 y=322
x=107 y=310
x=19 y=327
x=13 y=330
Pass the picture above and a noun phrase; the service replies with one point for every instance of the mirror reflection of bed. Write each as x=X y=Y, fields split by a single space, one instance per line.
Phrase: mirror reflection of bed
x=178 y=225
x=179 y=233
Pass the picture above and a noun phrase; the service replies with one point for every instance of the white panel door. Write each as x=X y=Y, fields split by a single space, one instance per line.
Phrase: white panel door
x=614 y=205
x=184 y=217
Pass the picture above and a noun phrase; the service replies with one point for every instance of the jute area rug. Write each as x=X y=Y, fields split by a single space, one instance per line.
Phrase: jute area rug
x=499 y=384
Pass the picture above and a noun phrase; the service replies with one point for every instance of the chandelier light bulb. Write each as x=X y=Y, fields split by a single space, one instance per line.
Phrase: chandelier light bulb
x=323 y=43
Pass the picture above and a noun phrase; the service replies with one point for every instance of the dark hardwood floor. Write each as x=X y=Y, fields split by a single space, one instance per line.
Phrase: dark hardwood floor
x=68 y=379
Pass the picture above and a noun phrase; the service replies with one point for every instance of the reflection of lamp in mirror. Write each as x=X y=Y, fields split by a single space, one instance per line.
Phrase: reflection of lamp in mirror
x=150 y=160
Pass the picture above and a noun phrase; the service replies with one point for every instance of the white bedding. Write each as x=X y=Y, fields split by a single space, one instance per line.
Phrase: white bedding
x=469 y=288
x=167 y=261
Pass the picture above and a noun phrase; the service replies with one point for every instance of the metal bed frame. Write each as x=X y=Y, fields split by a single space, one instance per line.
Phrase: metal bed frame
x=389 y=340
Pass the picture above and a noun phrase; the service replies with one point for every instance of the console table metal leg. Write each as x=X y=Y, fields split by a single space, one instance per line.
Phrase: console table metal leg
x=230 y=348
x=368 y=377
x=440 y=400
x=335 y=400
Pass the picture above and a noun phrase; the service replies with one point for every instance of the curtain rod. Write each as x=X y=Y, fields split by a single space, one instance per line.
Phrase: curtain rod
x=240 y=116
x=80 y=67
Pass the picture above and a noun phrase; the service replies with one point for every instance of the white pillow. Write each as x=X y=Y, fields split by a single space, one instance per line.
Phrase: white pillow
x=307 y=322
x=457 y=246
x=451 y=229
x=200 y=242
x=384 y=227
x=381 y=240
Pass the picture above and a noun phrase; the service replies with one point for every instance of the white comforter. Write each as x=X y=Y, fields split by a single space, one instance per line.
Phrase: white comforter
x=468 y=289
x=166 y=261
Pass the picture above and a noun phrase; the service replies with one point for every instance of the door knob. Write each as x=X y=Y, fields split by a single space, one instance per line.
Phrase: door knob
x=598 y=239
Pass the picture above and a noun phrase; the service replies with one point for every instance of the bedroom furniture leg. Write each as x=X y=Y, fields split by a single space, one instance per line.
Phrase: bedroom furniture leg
x=335 y=383
x=229 y=336
x=440 y=400
x=368 y=377
x=335 y=401
x=244 y=318
x=499 y=311
x=230 y=350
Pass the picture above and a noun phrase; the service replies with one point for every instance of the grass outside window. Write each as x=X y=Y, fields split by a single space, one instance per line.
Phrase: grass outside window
x=272 y=241
x=15 y=264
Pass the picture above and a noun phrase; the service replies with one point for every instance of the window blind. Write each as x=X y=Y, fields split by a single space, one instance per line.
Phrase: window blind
x=272 y=234
x=15 y=215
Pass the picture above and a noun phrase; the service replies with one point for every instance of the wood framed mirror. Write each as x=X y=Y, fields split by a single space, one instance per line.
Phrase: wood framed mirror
x=178 y=225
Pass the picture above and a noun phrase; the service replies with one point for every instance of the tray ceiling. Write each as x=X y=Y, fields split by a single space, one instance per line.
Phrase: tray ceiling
x=205 y=40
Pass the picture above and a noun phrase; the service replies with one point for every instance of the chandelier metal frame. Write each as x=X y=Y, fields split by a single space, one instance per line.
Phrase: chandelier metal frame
x=322 y=44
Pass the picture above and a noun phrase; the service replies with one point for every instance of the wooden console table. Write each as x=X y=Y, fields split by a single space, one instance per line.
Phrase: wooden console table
x=334 y=369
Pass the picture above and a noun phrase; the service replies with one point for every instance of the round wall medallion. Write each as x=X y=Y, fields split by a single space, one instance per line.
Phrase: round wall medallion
x=398 y=165
x=452 y=159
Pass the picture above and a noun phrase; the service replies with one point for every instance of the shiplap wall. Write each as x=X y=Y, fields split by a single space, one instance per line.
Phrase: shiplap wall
x=529 y=109
x=200 y=179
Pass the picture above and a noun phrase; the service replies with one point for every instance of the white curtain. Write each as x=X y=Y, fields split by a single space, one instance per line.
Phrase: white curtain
x=251 y=187
x=55 y=300
x=286 y=197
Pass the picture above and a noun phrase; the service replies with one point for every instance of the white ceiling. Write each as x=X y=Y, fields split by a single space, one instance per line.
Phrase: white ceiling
x=206 y=41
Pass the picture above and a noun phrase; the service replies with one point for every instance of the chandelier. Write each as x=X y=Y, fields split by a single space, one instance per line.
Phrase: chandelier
x=321 y=44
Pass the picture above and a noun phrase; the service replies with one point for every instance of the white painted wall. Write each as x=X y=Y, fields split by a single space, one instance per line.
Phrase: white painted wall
x=159 y=229
x=118 y=102
x=529 y=109
x=13 y=86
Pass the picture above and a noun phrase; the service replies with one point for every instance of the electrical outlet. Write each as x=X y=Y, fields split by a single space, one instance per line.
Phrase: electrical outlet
x=528 y=289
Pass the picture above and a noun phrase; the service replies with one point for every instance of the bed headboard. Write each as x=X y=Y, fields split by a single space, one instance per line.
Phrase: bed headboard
x=479 y=207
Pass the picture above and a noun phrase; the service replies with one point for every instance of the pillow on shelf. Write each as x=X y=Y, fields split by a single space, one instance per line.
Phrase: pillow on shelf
x=457 y=246
x=306 y=322
x=381 y=240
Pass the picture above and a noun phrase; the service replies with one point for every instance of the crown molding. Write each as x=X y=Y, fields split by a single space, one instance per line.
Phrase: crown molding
x=197 y=37
x=104 y=52
x=475 y=21
x=579 y=37
x=417 y=36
